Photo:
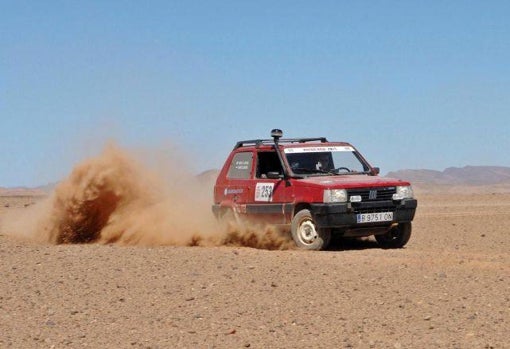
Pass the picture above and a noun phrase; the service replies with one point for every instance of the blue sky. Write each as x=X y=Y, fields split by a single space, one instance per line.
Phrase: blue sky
x=412 y=84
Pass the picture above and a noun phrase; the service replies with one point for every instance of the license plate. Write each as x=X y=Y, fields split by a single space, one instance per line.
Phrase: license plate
x=374 y=217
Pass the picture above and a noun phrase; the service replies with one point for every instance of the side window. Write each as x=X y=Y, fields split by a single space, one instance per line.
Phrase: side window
x=268 y=161
x=240 y=167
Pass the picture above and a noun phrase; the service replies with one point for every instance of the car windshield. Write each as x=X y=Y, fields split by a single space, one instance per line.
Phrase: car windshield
x=322 y=160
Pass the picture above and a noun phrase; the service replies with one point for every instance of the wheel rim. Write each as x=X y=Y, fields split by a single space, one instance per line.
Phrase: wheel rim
x=307 y=233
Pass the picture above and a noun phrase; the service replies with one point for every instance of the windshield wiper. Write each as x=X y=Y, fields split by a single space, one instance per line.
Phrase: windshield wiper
x=348 y=173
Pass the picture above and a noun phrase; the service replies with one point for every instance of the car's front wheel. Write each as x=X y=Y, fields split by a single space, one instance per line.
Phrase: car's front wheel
x=305 y=233
x=397 y=237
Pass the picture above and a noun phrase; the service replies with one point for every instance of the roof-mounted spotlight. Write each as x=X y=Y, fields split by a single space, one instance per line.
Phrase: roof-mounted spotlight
x=276 y=134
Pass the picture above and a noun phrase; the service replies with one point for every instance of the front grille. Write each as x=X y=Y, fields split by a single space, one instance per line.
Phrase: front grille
x=373 y=194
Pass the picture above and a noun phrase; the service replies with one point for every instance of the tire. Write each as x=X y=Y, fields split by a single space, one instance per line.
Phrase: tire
x=397 y=237
x=306 y=235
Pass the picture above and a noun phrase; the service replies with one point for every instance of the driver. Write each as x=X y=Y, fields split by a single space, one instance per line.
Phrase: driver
x=324 y=162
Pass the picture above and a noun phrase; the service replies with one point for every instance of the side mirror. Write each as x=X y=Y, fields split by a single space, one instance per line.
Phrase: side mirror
x=375 y=171
x=274 y=175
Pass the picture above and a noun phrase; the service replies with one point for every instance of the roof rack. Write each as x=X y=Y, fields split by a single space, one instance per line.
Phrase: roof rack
x=258 y=142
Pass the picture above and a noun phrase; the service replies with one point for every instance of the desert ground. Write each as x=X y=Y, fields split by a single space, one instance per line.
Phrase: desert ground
x=448 y=288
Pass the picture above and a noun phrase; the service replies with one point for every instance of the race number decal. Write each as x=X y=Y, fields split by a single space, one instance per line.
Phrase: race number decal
x=264 y=192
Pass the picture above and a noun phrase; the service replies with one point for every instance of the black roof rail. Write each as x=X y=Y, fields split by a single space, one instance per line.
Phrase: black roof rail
x=258 y=142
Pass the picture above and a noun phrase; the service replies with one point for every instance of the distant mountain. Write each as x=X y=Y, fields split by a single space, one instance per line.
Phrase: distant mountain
x=48 y=188
x=22 y=191
x=468 y=175
x=208 y=176
x=42 y=190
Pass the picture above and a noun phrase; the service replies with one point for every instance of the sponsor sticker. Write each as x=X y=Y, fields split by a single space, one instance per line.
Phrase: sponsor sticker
x=317 y=149
x=241 y=164
x=231 y=191
x=264 y=192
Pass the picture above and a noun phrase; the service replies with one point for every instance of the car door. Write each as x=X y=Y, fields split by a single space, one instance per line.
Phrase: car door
x=271 y=199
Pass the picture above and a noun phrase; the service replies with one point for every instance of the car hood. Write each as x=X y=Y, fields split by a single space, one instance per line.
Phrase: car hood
x=351 y=181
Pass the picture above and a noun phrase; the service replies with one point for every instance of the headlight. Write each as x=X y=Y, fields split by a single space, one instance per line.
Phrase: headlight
x=403 y=192
x=335 y=195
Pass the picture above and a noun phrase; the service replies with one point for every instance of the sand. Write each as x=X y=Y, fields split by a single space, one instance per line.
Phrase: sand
x=448 y=288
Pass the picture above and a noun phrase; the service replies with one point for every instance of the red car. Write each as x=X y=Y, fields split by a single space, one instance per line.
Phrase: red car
x=314 y=188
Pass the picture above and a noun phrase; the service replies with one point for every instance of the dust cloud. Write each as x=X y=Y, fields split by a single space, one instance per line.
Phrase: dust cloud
x=113 y=198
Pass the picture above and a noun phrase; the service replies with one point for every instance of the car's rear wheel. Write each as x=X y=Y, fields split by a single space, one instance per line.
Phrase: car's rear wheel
x=305 y=233
x=397 y=237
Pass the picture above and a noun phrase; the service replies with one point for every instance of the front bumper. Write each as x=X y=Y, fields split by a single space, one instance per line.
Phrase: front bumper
x=344 y=215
